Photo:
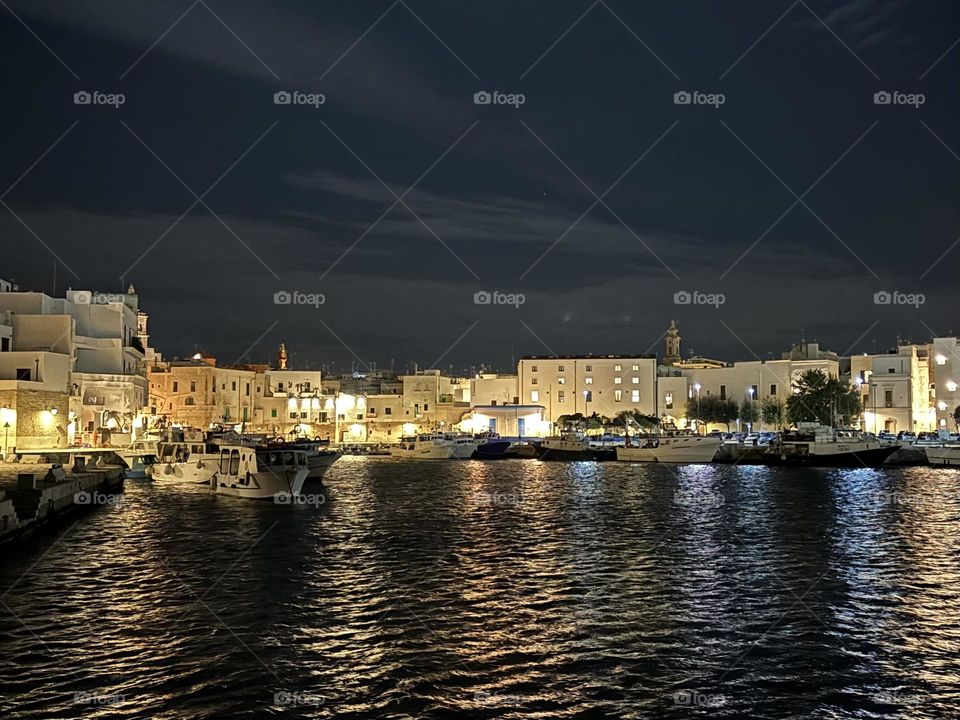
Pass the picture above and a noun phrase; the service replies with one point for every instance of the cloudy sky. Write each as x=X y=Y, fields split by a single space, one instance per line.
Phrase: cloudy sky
x=779 y=201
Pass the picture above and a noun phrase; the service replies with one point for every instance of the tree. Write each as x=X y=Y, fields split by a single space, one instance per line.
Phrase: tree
x=956 y=417
x=773 y=411
x=748 y=411
x=713 y=409
x=822 y=399
x=574 y=421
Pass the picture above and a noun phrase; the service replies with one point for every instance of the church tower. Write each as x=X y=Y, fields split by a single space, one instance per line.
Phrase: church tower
x=282 y=357
x=671 y=354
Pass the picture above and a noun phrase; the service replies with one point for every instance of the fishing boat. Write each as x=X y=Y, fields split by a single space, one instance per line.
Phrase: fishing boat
x=435 y=446
x=490 y=446
x=944 y=455
x=320 y=457
x=571 y=446
x=827 y=447
x=671 y=447
x=260 y=473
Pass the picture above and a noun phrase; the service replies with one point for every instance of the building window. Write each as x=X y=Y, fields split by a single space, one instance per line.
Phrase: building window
x=388 y=411
x=617 y=381
x=189 y=401
x=668 y=401
x=293 y=416
x=635 y=396
x=23 y=374
x=561 y=381
x=214 y=388
x=589 y=368
x=561 y=396
x=248 y=389
x=617 y=368
x=773 y=390
x=618 y=395
x=635 y=380
x=533 y=382
x=636 y=368
x=888 y=398
x=175 y=385
x=533 y=368
x=588 y=395
x=273 y=412
x=588 y=381
x=233 y=386
x=723 y=392
x=193 y=386
x=534 y=396
x=560 y=368
x=754 y=392
x=303 y=414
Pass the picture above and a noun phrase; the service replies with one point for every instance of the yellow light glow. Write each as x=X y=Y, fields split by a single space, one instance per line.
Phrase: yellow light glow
x=7 y=415
x=315 y=403
x=356 y=429
x=198 y=356
x=941 y=360
x=951 y=386
x=942 y=405
x=328 y=405
x=292 y=403
x=409 y=429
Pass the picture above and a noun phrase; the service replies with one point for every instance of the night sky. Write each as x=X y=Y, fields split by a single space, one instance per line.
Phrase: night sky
x=597 y=199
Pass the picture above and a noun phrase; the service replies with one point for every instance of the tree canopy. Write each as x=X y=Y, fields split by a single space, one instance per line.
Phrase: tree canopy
x=823 y=399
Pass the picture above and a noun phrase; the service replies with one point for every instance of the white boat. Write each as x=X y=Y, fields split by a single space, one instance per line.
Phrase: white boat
x=435 y=446
x=319 y=456
x=260 y=473
x=672 y=448
x=948 y=455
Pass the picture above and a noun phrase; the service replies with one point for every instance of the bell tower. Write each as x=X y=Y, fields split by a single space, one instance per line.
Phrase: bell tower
x=671 y=354
x=282 y=357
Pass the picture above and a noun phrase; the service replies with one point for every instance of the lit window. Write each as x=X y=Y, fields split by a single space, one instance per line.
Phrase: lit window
x=561 y=381
x=616 y=368
x=617 y=381
x=668 y=401
x=534 y=396
x=636 y=368
x=635 y=396
x=941 y=360
x=561 y=396
x=588 y=381
x=951 y=386
x=618 y=395
x=635 y=380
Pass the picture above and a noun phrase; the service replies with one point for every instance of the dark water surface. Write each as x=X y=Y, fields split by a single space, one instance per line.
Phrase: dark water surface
x=501 y=589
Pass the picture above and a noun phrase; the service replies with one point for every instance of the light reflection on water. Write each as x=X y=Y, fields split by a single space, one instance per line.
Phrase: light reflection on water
x=500 y=589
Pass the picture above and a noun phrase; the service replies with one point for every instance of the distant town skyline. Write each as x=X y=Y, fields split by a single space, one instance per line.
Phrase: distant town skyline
x=763 y=173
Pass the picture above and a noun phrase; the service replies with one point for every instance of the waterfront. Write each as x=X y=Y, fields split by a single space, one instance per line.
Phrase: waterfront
x=499 y=589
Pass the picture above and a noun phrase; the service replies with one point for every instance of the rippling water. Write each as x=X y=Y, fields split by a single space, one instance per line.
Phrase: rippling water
x=499 y=589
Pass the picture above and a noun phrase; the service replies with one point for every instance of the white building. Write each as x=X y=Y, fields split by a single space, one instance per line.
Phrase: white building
x=895 y=389
x=945 y=368
x=587 y=384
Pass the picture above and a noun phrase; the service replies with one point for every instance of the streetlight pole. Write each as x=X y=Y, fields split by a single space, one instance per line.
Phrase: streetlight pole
x=6 y=436
x=754 y=407
x=697 y=388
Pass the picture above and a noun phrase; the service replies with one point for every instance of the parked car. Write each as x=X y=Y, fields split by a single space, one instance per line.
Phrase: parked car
x=906 y=437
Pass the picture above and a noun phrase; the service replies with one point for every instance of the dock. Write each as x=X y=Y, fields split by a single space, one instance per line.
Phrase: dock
x=35 y=495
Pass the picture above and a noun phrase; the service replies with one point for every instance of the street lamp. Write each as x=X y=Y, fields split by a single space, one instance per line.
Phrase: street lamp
x=750 y=392
x=697 y=388
x=6 y=435
x=863 y=422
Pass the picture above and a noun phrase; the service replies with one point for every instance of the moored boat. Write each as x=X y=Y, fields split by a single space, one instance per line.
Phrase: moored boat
x=260 y=473
x=435 y=446
x=571 y=446
x=829 y=448
x=671 y=447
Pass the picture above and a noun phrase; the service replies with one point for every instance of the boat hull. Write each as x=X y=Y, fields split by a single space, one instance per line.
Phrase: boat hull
x=948 y=456
x=869 y=458
x=263 y=485
x=197 y=472
x=558 y=454
x=492 y=450
x=694 y=452
x=320 y=463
